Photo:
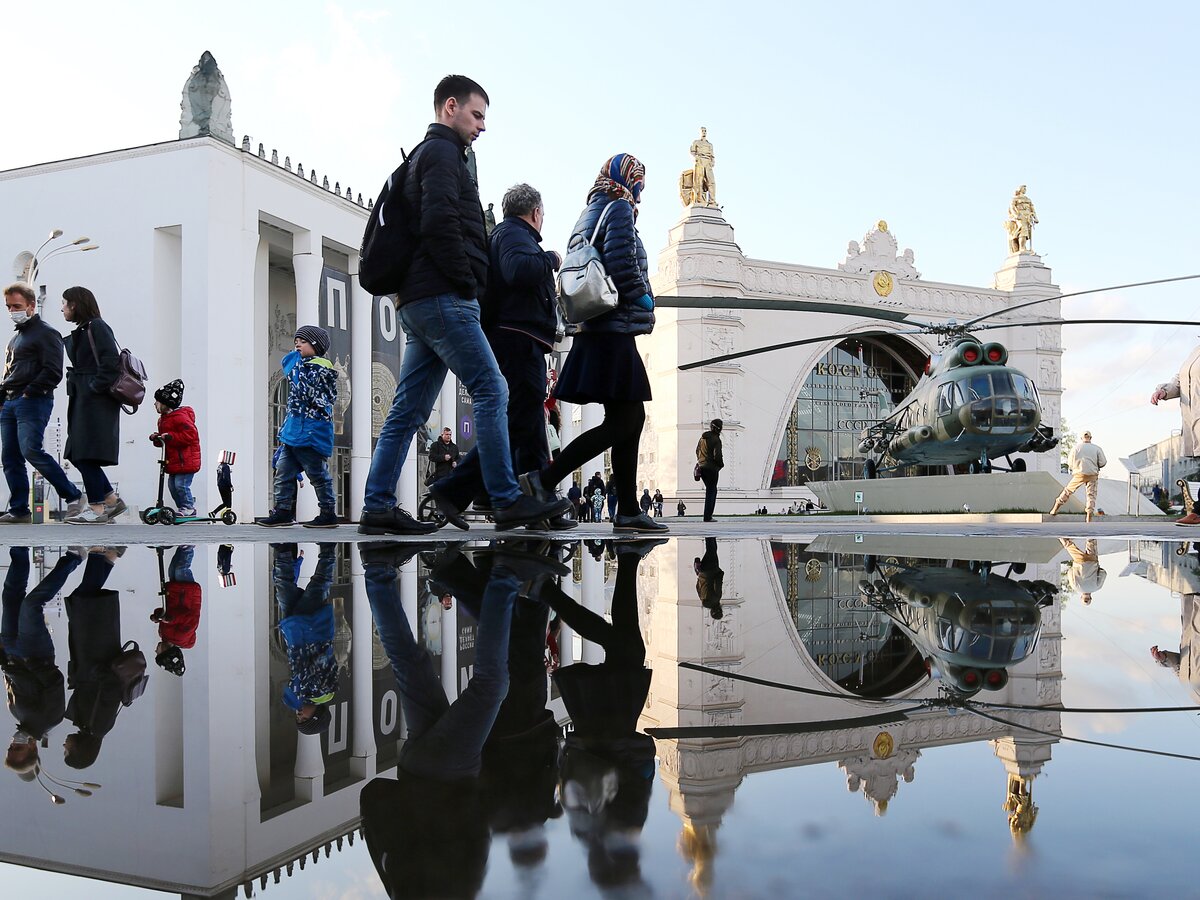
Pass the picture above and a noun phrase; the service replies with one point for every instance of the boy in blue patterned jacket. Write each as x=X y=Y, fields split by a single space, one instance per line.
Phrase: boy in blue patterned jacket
x=306 y=438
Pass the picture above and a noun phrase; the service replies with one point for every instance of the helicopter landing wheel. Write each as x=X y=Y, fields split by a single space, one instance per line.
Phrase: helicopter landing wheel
x=1018 y=465
x=978 y=468
x=870 y=469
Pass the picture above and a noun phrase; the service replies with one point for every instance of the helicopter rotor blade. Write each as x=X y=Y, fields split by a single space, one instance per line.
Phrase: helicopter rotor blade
x=1114 y=287
x=1088 y=322
x=813 y=306
x=714 y=360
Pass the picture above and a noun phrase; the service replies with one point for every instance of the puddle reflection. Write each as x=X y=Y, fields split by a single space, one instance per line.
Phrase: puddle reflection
x=632 y=717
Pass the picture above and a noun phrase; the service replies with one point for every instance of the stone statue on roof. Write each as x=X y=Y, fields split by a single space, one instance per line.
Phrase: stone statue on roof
x=1021 y=219
x=206 y=106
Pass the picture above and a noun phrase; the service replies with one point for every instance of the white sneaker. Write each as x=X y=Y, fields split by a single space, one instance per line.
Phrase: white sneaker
x=75 y=507
x=89 y=517
x=187 y=512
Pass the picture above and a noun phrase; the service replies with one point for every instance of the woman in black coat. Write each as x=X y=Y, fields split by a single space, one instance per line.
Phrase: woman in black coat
x=93 y=415
x=604 y=365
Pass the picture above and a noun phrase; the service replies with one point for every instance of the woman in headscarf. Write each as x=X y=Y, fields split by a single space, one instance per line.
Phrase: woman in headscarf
x=604 y=365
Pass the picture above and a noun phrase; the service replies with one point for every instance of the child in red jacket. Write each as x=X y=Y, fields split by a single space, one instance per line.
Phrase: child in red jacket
x=177 y=430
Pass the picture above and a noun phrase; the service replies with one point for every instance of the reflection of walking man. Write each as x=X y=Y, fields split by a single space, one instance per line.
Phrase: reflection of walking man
x=1086 y=461
x=1085 y=574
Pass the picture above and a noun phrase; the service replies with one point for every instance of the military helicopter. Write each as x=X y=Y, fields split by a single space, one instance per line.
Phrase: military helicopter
x=971 y=623
x=969 y=407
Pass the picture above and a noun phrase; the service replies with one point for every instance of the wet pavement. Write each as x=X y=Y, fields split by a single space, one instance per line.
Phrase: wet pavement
x=792 y=707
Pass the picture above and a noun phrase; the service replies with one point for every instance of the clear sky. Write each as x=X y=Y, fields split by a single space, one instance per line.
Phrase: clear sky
x=825 y=118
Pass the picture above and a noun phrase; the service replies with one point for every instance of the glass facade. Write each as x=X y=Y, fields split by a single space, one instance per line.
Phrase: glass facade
x=857 y=383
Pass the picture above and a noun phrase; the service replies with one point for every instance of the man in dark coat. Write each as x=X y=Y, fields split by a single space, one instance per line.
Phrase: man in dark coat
x=438 y=306
x=443 y=455
x=519 y=317
x=36 y=694
x=710 y=461
x=33 y=367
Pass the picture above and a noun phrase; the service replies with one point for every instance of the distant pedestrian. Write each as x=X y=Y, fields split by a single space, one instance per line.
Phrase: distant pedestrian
x=710 y=461
x=603 y=365
x=93 y=414
x=597 y=505
x=610 y=490
x=1085 y=574
x=33 y=367
x=443 y=456
x=1086 y=461
x=658 y=503
x=306 y=437
x=680 y=509
x=646 y=501
x=177 y=433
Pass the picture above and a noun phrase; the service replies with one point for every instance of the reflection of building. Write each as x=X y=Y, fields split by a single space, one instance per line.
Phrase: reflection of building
x=1163 y=464
x=763 y=635
x=211 y=784
x=795 y=416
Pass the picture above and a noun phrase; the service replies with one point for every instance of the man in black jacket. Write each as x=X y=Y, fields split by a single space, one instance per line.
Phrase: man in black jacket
x=520 y=321
x=439 y=308
x=33 y=367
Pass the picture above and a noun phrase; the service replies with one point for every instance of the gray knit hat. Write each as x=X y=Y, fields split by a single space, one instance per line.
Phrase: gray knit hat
x=315 y=335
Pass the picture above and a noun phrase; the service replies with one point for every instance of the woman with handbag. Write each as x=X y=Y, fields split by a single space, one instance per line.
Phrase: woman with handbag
x=93 y=414
x=604 y=365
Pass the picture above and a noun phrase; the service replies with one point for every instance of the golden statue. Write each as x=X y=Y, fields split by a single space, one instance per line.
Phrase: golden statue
x=1018 y=803
x=1021 y=219
x=698 y=185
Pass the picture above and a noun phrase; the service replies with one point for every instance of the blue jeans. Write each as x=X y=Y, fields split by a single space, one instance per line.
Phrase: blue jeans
x=293 y=460
x=180 y=568
x=95 y=483
x=444 y=334
x=180 y=487
x=445 y=740
x=22 y=427
x=24 y=633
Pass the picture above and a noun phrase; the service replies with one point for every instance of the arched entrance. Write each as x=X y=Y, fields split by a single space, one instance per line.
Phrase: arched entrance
x=856 y=646
x=857 y=382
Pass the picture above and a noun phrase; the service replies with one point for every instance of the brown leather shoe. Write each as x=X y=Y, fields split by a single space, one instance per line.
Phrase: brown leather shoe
x=1189 y=519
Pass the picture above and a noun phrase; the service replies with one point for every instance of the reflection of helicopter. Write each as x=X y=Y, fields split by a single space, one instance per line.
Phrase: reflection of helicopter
x=971 y=624
x=968 y=408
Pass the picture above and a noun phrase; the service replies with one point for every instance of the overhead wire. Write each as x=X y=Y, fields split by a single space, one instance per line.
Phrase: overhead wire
x=970 y=707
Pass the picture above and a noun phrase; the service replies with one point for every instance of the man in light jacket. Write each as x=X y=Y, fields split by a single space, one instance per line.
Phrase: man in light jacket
x=1186 y=387
x=1086 y=461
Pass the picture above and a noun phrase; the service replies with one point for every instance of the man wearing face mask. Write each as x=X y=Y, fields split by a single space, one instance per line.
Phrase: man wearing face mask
x=33 y=367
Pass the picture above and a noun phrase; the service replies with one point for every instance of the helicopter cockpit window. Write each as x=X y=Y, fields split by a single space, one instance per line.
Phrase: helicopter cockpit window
x=1024 y=387
x=1002 y=385
x=979 y=387
x=948 y=397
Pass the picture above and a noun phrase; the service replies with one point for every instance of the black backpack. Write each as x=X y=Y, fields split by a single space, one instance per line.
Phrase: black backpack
x=389 y=241
x=130 y=669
